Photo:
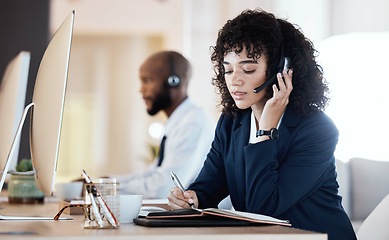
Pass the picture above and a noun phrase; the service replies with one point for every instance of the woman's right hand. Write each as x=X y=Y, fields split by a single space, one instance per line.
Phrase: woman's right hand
x=275 y=106
x=179 y=200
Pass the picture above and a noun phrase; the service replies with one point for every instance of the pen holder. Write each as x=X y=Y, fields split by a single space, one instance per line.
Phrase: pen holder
x=102 y=201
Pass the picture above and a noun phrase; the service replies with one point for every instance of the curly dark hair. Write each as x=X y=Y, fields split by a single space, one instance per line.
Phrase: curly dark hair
x=260 y=32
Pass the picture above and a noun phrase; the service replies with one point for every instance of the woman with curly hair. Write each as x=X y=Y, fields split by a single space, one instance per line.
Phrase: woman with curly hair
x=273 y=150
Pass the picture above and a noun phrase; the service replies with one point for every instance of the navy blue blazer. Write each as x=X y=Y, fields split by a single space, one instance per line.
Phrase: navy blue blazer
x=290 y=178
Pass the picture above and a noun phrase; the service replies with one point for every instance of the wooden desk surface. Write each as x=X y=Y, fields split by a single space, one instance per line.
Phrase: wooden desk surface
x=73 y=229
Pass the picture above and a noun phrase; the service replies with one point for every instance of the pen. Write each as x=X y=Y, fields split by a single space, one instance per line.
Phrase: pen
x=95 y=210
x=178 y=184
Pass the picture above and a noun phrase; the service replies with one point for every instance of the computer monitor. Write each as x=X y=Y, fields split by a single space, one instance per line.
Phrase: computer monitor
x=47 y=110
x=12 y=99
x=48 y=99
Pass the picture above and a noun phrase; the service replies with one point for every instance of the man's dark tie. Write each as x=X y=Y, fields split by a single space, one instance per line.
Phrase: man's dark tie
x=161 y=151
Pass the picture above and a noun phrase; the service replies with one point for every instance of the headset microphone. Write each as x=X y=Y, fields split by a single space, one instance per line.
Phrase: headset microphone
x=264 y=85
x=282 y=65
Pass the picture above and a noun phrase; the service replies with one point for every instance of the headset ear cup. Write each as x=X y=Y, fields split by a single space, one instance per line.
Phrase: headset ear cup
x=173 y=81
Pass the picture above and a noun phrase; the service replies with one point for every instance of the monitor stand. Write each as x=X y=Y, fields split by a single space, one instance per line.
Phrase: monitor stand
x=6 y=171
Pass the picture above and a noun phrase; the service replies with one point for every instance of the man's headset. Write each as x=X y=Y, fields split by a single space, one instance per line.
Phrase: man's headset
x=173 y=80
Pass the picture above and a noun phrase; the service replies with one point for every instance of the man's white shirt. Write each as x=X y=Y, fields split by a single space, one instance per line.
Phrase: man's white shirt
x=189 y=132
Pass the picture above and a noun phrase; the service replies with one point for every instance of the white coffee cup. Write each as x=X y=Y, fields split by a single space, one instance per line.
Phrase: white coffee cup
x=129 y=207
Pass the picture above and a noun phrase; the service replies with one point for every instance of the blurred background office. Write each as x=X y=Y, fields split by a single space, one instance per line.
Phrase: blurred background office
x=106 y=130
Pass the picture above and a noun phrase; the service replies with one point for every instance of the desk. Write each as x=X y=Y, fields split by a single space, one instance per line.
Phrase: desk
x=73 y=229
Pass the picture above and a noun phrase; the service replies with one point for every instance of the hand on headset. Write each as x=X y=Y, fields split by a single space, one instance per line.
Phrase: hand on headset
x=275 y=106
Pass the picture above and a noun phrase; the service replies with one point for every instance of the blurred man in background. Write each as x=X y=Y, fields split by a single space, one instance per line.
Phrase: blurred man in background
x=188 y=132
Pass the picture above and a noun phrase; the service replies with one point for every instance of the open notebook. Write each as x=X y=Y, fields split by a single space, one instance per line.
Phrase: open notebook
x=206 y=217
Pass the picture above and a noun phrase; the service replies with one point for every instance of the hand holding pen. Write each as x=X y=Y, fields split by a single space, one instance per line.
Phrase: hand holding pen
x=178 y=184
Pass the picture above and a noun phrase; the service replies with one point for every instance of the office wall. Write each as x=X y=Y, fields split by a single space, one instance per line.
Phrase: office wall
x=111 y=38
x=359 y=16
x=105 y=128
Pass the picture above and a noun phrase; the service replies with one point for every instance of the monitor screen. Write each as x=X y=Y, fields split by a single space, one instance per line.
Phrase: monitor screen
x=12 y=99
x=48 y=99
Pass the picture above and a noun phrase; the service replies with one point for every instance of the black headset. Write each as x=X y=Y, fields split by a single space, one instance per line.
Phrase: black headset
x=283 y=64
x=173 y=80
